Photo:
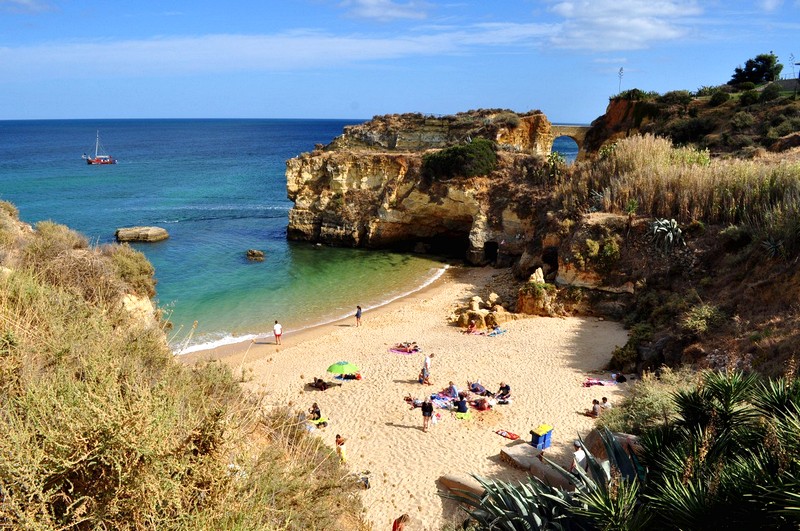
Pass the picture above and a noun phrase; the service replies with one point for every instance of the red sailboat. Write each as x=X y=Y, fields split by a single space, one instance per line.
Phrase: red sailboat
x=98 y=157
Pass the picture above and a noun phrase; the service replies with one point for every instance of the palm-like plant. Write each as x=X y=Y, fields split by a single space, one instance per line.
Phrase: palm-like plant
x=729 y=458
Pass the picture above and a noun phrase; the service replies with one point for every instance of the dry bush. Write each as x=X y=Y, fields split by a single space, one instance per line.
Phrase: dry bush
x=102 y=429
x=683 y=184
x=50 y=240
x=133 y=267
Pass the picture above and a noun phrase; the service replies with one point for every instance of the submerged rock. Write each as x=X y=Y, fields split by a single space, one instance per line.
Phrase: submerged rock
x=255 y=255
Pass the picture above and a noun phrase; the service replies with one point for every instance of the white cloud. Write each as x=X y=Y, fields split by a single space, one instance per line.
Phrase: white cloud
x=385 y=10
x=296 y=50
x=771 y=5
x=607 y=25
x=28 y=6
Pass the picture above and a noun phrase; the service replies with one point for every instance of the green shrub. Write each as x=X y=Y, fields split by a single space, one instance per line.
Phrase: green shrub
x=475 y=158
x=691 y=129
x=649 y=401
x=627 y=354
x=507 y=119
x=745 y=86
x=592 y=248
x=701 y=318
x=770 y=92
x=742 y=120
x=676 y=97
x=718 y=98
x=748 y=98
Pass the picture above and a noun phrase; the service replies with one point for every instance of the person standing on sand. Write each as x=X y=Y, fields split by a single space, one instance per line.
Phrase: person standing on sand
x=278 y=331
x=426 y=369
x=358 y=315
x=400 y=523
x=340 y=450
x=427 y=413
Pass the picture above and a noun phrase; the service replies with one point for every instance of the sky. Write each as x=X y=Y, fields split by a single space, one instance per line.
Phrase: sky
x=354 y=59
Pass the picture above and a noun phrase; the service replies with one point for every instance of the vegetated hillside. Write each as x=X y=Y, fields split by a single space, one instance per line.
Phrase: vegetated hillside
x=102 y=429
x=742 y=120
x=717 y=287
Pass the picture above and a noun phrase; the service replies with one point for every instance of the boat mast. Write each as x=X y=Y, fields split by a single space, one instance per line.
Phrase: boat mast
x=97 y=144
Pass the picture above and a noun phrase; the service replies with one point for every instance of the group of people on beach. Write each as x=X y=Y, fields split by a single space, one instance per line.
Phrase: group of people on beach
x=598 y=407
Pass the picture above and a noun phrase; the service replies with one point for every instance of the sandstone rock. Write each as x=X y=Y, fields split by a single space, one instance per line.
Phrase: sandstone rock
x=255 y=255
x=141 y=234
x=455 y=483
x=475 y=303
x=537 y=276
x=537 y=298
x=594 y=443
x=493 y=299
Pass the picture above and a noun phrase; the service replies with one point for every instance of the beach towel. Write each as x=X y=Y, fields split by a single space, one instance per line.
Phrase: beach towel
x=496 y=332
x=400 y=351
x=442 y=403
x=507 y=434
x=464 y=416
x=589 y=382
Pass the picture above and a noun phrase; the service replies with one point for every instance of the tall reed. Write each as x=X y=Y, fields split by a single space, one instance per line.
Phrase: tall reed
x=685 y=184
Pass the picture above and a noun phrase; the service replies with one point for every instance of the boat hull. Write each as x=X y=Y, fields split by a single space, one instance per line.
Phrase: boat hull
x=101 y=161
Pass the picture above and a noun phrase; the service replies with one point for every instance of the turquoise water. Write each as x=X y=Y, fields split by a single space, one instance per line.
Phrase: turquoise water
x=219 y=188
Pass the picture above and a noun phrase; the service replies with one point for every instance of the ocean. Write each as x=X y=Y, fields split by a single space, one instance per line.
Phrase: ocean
x=219 y=188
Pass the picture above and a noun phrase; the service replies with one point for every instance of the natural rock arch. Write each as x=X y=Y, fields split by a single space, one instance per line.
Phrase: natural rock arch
x=575 y=132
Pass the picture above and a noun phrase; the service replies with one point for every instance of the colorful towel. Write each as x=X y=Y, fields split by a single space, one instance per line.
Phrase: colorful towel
x=464 y=416
x=400 y=351
x=496 y=332
x=442 y=403
x=507 y=434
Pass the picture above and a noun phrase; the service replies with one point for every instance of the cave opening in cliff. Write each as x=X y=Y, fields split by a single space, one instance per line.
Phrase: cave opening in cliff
x=567 y=147
x=450 y=244
x=490 y=250
x=550 y=259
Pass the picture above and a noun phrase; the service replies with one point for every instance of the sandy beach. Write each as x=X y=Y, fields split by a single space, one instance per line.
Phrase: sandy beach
x=545 y=360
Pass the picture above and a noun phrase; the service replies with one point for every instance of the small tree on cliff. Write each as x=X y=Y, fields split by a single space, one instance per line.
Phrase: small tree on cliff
x=467 y=160
x=765 y=67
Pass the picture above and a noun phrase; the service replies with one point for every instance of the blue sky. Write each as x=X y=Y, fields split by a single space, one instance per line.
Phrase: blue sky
x=360 y=58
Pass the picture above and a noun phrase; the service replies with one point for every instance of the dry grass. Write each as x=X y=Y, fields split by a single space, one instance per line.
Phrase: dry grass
x=684 y=184
x=102 y=429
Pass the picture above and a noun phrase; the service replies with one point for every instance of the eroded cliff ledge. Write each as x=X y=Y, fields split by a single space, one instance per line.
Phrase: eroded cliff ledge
x=367 y=188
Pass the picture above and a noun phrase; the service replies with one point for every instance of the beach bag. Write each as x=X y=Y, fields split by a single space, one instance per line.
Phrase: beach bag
x=435 y=419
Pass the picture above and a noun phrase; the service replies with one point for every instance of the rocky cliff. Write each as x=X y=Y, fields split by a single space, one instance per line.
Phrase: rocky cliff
x=367 y=188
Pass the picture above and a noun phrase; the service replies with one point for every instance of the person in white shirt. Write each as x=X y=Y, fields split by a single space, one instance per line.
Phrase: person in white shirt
x=278 y=331
x=605 y=404
x=578 y=458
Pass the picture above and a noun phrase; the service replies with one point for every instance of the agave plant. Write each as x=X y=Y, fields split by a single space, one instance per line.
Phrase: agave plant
x=730 y=460
x=666 y=234
x=605 y=497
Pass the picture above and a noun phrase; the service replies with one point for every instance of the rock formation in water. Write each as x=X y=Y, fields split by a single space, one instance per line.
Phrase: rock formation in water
x=367 y=188
x=141 y=234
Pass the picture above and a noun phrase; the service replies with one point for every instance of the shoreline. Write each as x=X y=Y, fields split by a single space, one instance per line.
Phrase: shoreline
x=230 y=342
x=545 y=360
x=239 y=351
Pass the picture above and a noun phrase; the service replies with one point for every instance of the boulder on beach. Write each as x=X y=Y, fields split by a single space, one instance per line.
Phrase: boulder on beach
x=141 y=234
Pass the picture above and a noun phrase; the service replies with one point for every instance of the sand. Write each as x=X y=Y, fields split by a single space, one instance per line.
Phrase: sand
x=545 y=360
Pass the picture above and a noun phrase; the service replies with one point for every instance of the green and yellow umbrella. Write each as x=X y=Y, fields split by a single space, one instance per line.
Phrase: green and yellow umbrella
x=343 y=367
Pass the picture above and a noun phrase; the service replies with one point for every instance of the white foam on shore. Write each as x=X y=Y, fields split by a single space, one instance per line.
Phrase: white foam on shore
x=229 y=339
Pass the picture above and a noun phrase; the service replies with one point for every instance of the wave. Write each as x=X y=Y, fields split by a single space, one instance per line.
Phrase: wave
x=220 y=340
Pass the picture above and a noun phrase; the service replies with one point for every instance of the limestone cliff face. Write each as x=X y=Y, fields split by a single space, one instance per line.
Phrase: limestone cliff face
x=366 y=188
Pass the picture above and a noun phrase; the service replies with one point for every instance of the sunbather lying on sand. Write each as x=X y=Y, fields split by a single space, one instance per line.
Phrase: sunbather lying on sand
x=406 y=346
x=478 y=389
x=413 y=402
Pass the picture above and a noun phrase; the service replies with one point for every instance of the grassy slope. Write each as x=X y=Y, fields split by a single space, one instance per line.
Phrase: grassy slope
x=102 y=429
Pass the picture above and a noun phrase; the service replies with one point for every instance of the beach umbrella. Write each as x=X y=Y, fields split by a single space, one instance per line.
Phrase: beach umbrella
x=343 y=367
